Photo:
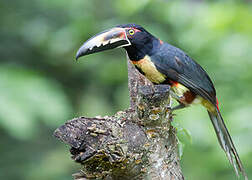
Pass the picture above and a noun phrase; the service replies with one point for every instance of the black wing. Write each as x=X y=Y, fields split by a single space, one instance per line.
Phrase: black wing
x=179 y=67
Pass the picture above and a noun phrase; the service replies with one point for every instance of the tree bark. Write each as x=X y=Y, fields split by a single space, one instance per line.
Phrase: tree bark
x=138 y=143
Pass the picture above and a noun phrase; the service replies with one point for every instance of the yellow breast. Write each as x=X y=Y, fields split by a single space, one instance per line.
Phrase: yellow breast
x=149 y=69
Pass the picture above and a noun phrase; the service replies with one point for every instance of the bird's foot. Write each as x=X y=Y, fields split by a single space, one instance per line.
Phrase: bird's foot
x=180 y=106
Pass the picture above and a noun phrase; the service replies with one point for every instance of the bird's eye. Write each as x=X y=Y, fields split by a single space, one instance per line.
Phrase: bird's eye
x=131 y=32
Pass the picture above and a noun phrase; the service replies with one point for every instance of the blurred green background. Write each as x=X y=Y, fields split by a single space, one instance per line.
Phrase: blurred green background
x=41 y=86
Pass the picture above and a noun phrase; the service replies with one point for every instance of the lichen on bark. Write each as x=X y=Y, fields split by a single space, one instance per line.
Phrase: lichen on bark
x=138 y=143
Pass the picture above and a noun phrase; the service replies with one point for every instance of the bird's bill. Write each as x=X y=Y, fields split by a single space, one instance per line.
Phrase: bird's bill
x=110 y=39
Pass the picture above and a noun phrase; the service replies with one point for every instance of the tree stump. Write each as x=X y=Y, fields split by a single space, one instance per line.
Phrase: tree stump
x=138 y=143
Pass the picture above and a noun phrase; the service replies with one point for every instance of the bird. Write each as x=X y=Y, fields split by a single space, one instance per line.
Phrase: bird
x=163 y=63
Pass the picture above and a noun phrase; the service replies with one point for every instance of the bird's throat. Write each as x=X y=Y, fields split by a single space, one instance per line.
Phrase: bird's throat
x=135 y=53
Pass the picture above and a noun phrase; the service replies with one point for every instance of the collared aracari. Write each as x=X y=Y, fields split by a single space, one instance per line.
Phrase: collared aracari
x=163 y=63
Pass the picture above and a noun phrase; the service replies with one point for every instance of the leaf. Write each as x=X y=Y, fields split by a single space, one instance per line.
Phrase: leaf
x=183 y=137
x=180 y=148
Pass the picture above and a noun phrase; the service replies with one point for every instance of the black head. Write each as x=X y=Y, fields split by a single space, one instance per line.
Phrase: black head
x=134 y=38
x=141 y=41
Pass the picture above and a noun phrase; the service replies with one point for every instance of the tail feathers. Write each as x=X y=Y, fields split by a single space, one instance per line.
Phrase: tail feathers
x=226 y=142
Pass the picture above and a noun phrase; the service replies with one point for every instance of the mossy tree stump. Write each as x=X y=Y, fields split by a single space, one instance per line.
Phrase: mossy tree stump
x=138 y=143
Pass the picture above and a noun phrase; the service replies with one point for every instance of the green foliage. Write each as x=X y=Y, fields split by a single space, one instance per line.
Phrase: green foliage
x=28 y=97
x=41 y=85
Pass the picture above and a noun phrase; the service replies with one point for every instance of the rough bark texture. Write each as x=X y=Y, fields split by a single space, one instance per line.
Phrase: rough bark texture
x=138 y=143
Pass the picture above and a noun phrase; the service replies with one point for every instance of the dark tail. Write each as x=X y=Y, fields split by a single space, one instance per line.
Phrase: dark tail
x=226 y=142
